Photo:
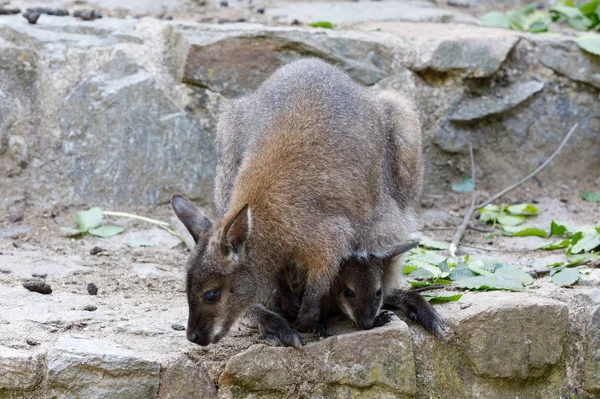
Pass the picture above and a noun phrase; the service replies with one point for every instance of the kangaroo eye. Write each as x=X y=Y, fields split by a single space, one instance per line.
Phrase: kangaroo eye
x=379 y=291
x=211 y=296
x=348 y=293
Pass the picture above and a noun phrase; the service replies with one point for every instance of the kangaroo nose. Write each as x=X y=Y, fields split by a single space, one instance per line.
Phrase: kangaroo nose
x=366 y=324
x=192 y=336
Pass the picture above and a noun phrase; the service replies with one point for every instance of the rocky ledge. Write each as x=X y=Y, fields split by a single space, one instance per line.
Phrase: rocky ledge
x=123 y=111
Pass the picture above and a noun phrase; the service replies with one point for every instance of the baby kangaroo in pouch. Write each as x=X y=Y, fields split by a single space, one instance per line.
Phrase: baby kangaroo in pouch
x=312 y=169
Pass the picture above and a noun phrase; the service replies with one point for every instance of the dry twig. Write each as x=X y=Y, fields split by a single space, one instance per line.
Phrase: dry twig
x=462 y=227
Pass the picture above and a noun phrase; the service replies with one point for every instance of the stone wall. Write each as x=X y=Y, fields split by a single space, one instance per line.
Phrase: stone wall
x=123 y=111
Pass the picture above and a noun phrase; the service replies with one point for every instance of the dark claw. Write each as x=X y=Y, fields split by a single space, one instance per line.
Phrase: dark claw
x=321 y=330
x=383 y=318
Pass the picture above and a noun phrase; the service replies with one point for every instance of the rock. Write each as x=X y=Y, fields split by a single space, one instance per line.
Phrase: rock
x=87 y=15
x=567 y=58
x=96 y=250
x=15 y=218
x=186 y=380
x=328 y=367
x=90 y=308
x=235 y=63
x=38 y=286
x=501 y=100
x=349 y=13
x=59 y=12
x=20 y=369
x=94 y=368
x=592 y=367
x=31 y=16
x=9 y=10
x=178 y=327
x=15 y=232
x=92 y=289
x=509 y=335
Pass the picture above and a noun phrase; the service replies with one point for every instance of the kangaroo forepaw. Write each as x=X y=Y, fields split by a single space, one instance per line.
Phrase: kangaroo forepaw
x=321 y=330
x=383 y=318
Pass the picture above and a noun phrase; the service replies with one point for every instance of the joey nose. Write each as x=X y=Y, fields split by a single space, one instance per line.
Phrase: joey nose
x=366 y=324
x=192 y=336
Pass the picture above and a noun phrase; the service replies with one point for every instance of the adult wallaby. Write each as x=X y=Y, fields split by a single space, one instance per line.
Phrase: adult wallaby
x=311 y=169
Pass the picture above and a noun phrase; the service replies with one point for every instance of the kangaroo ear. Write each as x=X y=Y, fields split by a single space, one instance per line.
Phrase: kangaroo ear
x=398 y=249
x=235 y=233
x=196 y=223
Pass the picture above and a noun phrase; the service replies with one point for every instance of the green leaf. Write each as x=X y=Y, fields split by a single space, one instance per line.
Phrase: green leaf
x=495 y=19
x=459 y=272
x=441 y=298
x=419 y=283
x=140 y=243
x=516 y=20
x=566 y=277
x=587 y=242
x=486 y=283
x=72 y=232
x=589 y=8
x=522 y=209
x=479 y=268
x=556 y=245
x=582 y=23
x=557 y=229
x=515 y=231
x=429 y=257
x=407 y=269
x=421 y=274
x=322 y=24
x=510 y=220
x=528 y=8
x=466 y=185
x=444 y=268
x=577 y=259
x=434 y=244
x=106 y=231
x=592 y=196
x=567 y=12
x=512 y=272
x=538 y=26
x=89 y=219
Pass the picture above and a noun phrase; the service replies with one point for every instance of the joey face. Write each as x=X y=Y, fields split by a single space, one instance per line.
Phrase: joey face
x=361 y=290
x=220 y=287
x=361 y=293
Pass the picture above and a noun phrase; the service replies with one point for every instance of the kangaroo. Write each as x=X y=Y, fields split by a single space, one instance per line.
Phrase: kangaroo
x=311 y=169
x=358 y=294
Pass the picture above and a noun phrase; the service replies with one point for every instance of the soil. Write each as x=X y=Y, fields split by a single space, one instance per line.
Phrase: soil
x=140 y=301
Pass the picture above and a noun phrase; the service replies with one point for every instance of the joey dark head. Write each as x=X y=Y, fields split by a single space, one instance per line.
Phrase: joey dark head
x=220 y=286
x=360 y=292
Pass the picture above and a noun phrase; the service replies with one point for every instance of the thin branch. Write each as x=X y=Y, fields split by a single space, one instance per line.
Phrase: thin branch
x=462 y=227
x=497 y=249
x=164 y=225
x=430 y=288
x=535 y=172
x=460 y=232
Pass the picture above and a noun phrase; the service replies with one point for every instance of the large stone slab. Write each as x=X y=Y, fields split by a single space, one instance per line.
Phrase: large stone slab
x=94 y=368
x=186 y=380
x=508 y=335
x=366 y=364
x=20 y=370
x=567 y=58
x=592 y=372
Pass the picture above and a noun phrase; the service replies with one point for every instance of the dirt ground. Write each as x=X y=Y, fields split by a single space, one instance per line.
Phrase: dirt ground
x=141 y=299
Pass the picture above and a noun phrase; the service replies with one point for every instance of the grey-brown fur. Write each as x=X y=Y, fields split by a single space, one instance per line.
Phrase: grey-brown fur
x=312 y=169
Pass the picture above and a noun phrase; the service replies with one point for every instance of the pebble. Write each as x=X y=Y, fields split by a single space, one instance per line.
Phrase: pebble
x=178 y=327
x=9 y=11
x=38 y=286
x=224 y=4
x=87 y=15
x=260 y=10
x=57 y=12
x=15 y=218
x=39 y=275
x=90 y=308
x=31 y=16
x=32 y=342
x=96 y=250
x=15 y=232
x=92 y=289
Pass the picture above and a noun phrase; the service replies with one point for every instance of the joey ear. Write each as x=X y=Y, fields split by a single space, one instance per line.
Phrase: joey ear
x=196 y=223
x=398 y=249
x=235 y=233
